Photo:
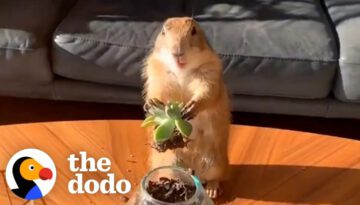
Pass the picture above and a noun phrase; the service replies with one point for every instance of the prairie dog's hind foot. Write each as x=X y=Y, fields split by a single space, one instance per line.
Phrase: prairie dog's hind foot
x=212 y=189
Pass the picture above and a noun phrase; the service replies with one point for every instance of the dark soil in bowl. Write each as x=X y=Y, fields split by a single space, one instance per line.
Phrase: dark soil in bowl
x=170 y=190
x=177 y=141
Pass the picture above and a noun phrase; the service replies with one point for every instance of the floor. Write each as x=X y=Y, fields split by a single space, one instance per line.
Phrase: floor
x=274 y=159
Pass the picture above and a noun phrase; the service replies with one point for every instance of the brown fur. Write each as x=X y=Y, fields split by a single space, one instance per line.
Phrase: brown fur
x=200 y=81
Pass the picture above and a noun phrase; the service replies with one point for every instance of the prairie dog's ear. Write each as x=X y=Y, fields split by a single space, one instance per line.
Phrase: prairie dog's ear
x=167 y=24
x=193 y=31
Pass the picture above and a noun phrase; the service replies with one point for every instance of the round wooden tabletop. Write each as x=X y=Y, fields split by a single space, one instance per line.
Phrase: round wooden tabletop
x=269 y=166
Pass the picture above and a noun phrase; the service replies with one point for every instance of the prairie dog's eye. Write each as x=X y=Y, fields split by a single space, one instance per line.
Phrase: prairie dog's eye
x=193 y=31
x=163 y=32
x=31 y=167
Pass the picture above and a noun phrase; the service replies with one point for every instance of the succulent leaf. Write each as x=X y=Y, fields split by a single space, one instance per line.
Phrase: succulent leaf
x=164 y=131
x=173 y=111
x=184 y=127
x=149 y=121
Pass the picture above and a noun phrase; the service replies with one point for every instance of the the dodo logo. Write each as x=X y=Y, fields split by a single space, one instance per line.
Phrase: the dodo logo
x=30 y=174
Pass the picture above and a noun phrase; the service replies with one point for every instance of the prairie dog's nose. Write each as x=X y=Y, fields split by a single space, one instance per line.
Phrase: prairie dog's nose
x=178 y=49
x=178 y=54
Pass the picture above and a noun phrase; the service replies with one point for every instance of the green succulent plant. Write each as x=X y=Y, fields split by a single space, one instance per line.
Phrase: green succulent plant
x=166 y=118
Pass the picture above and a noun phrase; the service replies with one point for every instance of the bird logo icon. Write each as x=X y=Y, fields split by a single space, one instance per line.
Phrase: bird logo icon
x=30 y=174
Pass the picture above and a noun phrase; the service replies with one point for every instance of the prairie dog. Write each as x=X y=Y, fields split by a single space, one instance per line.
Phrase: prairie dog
x=183 y=67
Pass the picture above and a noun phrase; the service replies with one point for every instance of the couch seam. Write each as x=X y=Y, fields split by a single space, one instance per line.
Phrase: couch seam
x=221 y=54
x=281 y=94
x=329 y=21
x=279 y=58
x=106 y=43
x=17 y=49
x=350 y=63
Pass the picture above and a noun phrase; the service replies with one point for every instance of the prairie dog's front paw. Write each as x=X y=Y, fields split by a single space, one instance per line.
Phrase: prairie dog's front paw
x=213 y=189
x=189 y=110
x=152 y=103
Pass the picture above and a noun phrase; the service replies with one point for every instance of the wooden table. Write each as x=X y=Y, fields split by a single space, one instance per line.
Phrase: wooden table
x=269 y=166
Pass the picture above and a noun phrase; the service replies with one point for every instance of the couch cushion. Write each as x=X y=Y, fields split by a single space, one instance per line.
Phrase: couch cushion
x=274 y=48
x=25 y=31
x=346 y=18
x=106 y=41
